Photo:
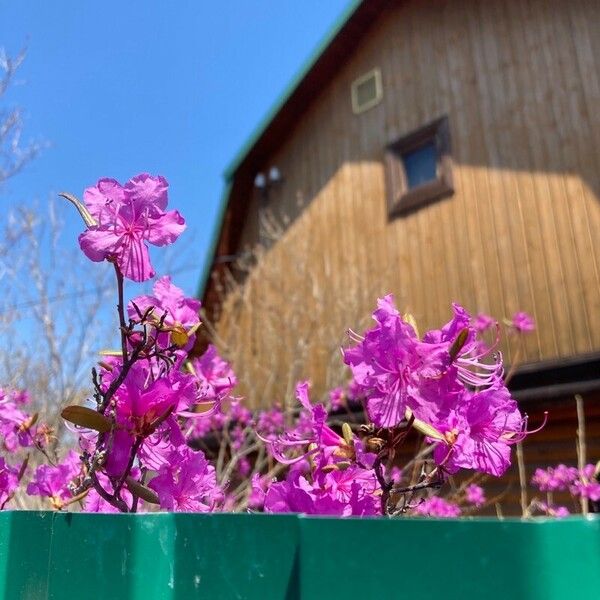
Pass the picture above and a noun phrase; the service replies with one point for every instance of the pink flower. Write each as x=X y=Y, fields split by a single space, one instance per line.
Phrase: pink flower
x=474 y=495
x=271 y=422
x=187 y=483
x=177 y=312
x=214 y=375
x=312 y=431
x=128 y=217
x=522 y=322
x=586 y=484
x=343 y=493
x=146 y=410
x=396 y=371
x=8 y=482
x=336 y=398
x=258 y=488
x=16 y=426
x=479 y=432
x=94 y=503
x=437 y=507
x=553 y=479
x=53 y=481
x=560 y=512
x=484 y=322
x=586 y=489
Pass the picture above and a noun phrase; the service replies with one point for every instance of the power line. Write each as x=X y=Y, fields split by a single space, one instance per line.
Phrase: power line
x=68 y=295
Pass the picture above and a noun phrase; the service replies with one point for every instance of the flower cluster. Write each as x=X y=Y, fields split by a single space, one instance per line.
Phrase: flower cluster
x=162 y=429
x=443 y=381
x=133 y=443
x=581 y=484
x=333 y=475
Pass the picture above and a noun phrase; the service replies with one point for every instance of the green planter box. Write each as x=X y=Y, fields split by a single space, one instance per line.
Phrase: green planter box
x=55 y=555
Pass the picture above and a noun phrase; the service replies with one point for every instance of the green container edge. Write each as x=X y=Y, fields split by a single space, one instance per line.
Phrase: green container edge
x=178 y=555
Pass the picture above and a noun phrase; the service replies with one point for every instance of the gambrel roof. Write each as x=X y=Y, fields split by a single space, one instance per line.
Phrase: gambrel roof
x=317 y=71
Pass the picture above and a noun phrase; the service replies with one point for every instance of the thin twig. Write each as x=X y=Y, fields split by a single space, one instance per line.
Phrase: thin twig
x=522 y=479
x=581 y=447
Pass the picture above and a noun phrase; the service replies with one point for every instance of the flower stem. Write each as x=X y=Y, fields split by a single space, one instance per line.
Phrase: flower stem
x=121 y=311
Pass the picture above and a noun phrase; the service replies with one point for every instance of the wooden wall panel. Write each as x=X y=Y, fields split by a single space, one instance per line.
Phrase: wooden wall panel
x=519 y=81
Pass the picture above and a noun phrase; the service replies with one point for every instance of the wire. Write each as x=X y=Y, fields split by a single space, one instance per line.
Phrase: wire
x=66 y=296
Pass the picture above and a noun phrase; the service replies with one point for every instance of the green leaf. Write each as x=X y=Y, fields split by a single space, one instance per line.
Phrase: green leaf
x=179 y=336
x=424 y=428
x=86 y=417
x=136 y=488
x=458 y=343
x=409 y=318
x=81 y=208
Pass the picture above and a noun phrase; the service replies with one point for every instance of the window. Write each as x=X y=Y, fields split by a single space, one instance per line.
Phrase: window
x=366 y=91
x=419 y=168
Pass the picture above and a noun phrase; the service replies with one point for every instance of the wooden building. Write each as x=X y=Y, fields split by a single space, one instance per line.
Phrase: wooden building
x=443 y=150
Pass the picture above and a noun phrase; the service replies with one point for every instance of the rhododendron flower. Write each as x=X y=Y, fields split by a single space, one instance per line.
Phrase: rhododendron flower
x=560 y=512
x=313 y=431
x=336 y=398
x=397 y=371
x=145 y=410
x=94 y=503
x=258 y=488
x=483 y=322
x=178 y=313
x=586 y=489
x=127 y=217
x=215 y=375
x=336 y=493
x=480 y=431
x=475 y=495
x=586 y=484
x=468 y=356
x=187 y=483
x=16 y=426
x=522 y=322
x=554 y=479
x=270 y=422
x=53 y=481
x=8 y=481
x=141 y=402
x=437 y=507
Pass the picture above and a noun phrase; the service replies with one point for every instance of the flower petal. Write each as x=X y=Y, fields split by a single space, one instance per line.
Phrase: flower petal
x=165 y=229
x=99 y=243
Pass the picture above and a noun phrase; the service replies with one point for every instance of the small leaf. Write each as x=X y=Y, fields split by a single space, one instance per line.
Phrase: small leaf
x=458 y=343
x=192 y=330
x=86 y=417
x=190 y=367
x=347 y=433
x=110 y=353
x=422 y=427
x=427 y=429
x=408 y=318
x=81 y=208
x=141 y=491
x=179 y=337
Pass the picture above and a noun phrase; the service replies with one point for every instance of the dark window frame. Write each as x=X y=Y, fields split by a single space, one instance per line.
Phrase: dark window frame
x=401 y=199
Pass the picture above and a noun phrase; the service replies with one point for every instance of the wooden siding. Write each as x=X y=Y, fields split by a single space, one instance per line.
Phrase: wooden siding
x=520 y=83
x=556 y=443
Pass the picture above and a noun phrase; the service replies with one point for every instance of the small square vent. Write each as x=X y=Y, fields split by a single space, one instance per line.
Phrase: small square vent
x=367 y=91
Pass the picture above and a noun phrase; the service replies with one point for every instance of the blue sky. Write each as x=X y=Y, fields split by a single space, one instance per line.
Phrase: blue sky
x=172 y=88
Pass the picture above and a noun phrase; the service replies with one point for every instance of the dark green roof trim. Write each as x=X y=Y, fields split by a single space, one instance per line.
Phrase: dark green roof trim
x=290 y=89
x=258 y=133
x=214 y=240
